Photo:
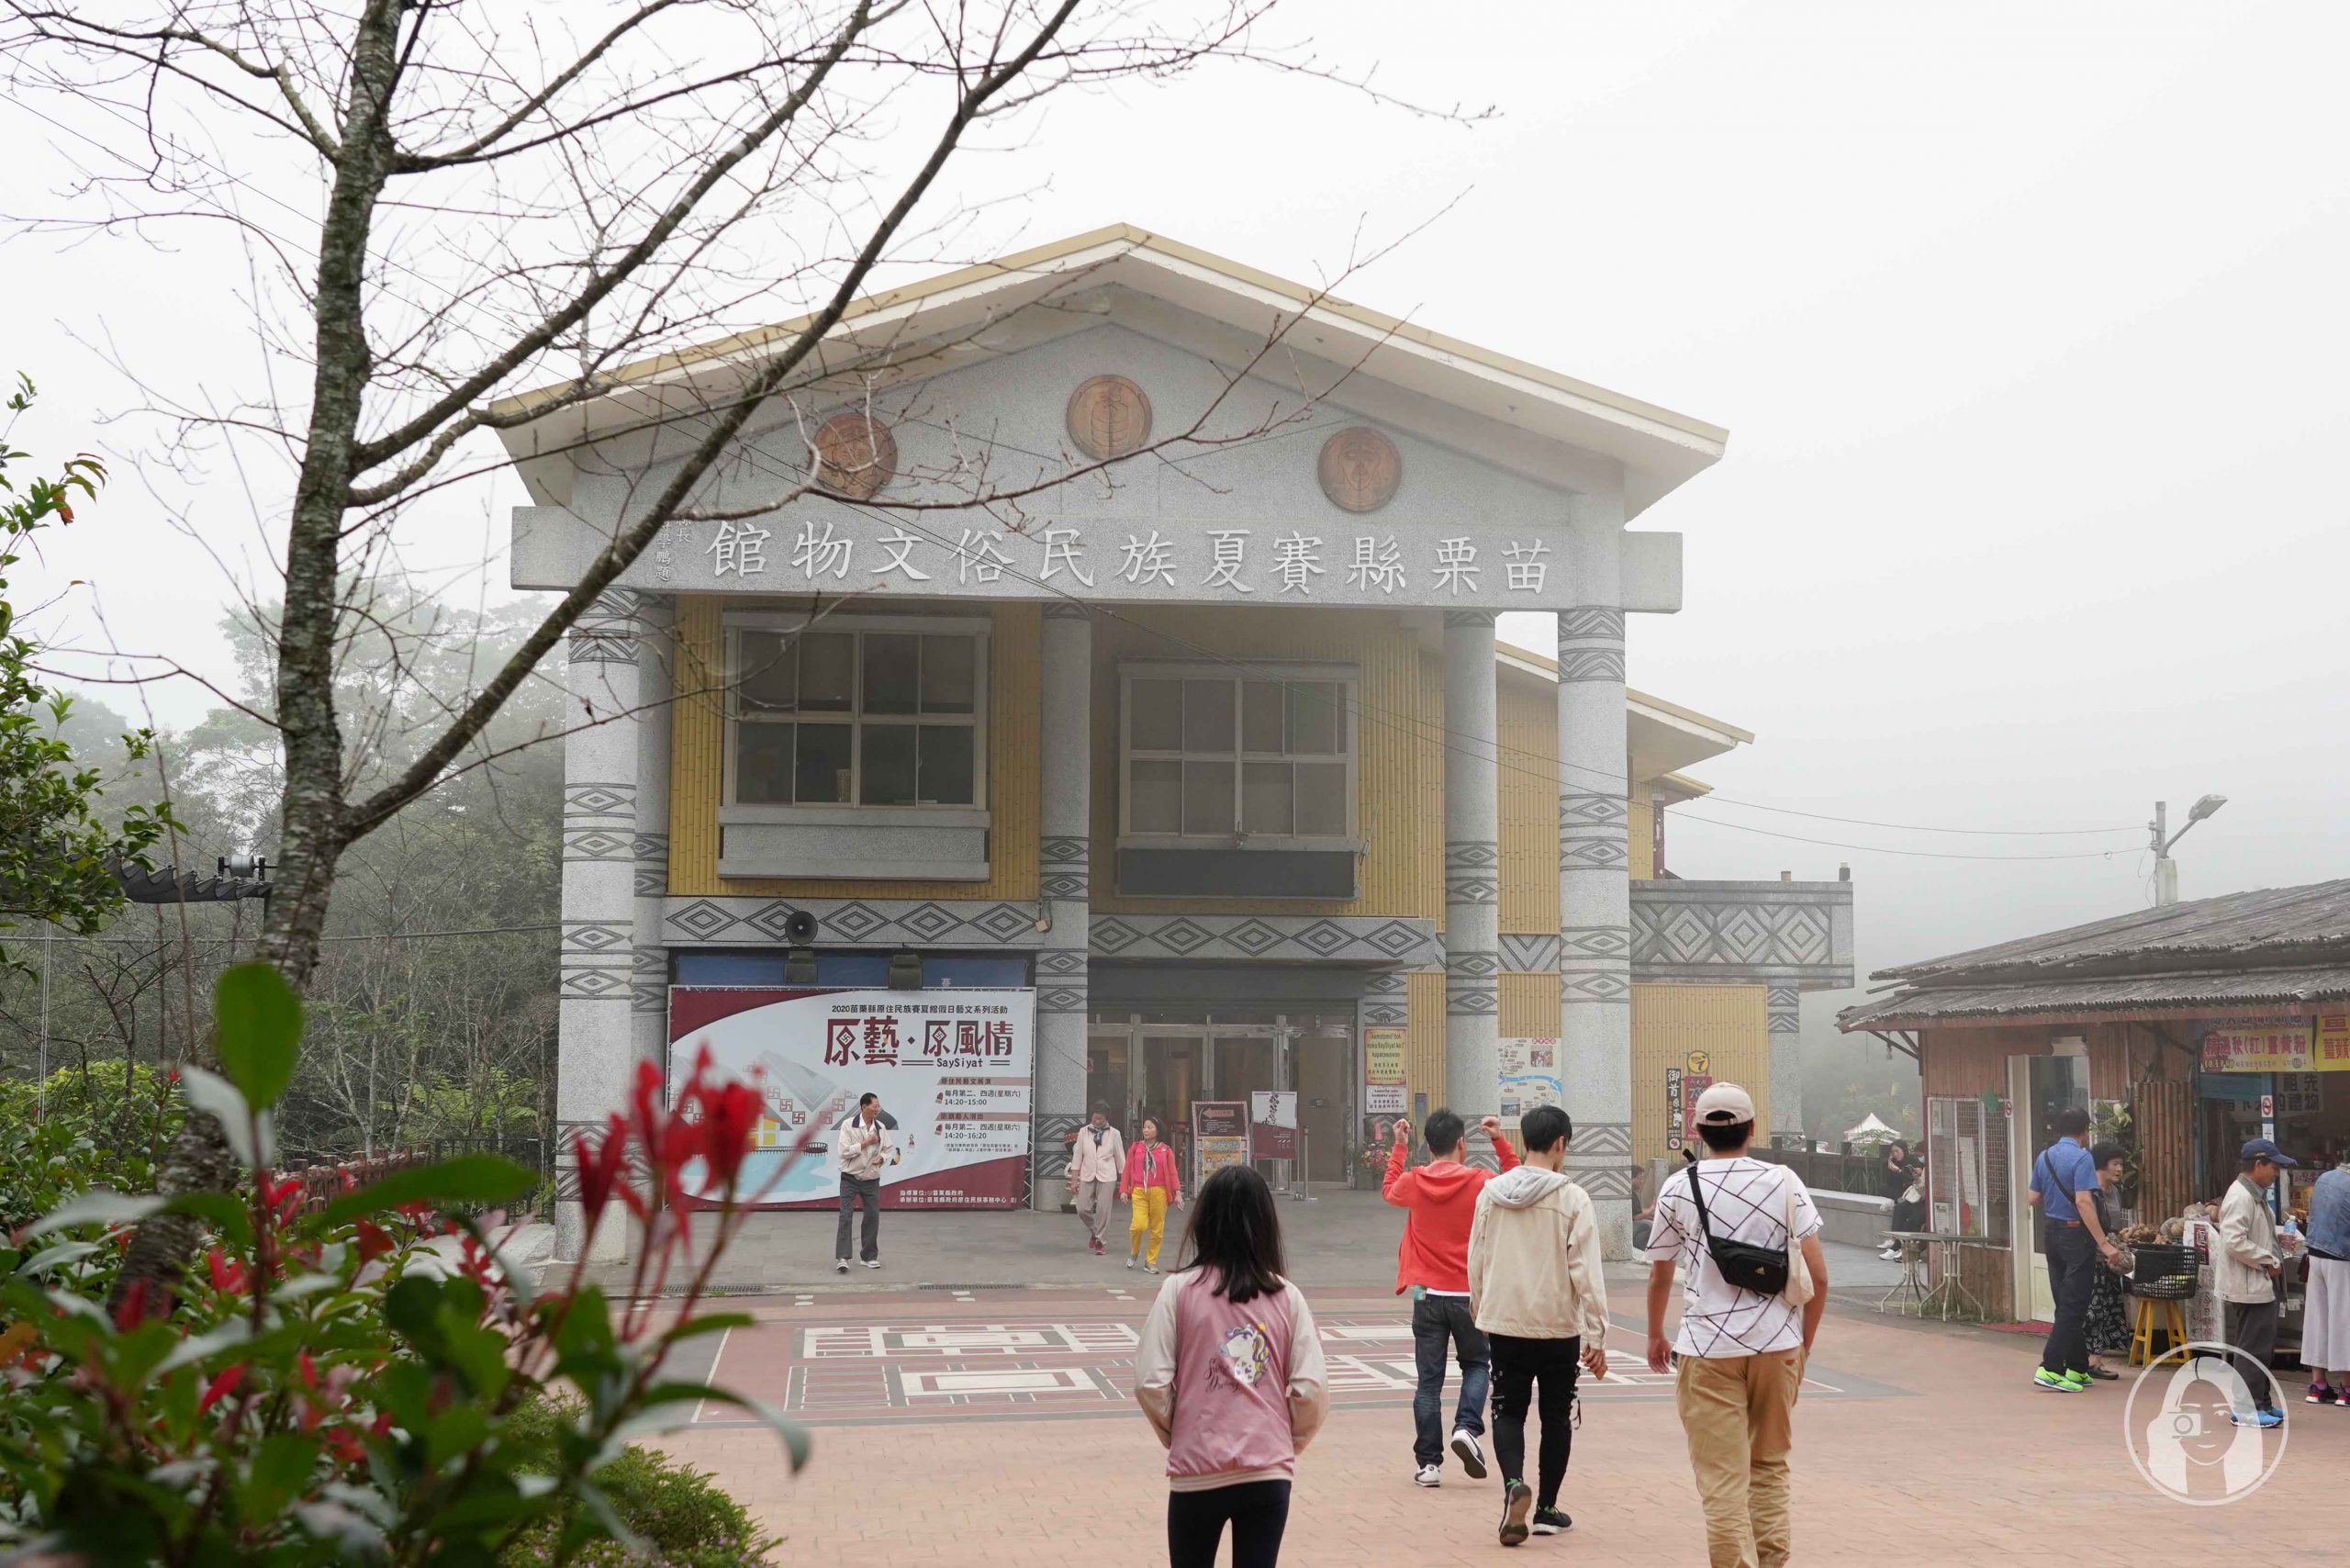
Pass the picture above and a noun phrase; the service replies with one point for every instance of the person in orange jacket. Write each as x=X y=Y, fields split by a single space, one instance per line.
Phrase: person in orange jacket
x=1440 y=1201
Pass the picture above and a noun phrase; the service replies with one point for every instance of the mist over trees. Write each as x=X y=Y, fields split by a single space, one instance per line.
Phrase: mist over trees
x=432 y=1010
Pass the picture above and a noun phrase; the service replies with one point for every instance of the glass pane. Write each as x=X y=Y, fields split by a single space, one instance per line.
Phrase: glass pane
x=1322 y=800
x=949 y=673
x=827 y=672
x=820 y=771
x=1207 y=715
x=1260 y=716
x=1207 y=796
x=763 y=764
x=887 y=776
x=1154 y=796
x=1317 y=717
x=945 y=765
x=892 y=673
x=1266 y=795
x=769 y=673
x=1154 y=718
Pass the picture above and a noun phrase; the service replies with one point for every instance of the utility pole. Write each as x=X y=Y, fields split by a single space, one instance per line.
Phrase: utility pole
x=2160 y=840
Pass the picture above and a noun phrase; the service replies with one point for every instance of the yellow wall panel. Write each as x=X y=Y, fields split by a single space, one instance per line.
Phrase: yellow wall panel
x=696 y=769
x=1424 y=1044
x=1403 y=871
x=1726 y=1021
x=1530 y=1005
x=1528 y=779
x=1640 y=829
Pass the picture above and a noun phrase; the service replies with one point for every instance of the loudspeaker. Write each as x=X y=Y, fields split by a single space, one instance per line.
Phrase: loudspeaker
x=800 y=927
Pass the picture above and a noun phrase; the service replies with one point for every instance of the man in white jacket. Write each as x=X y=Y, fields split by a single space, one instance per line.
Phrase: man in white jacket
x=861 y=1148
x=1536 y=1291
x=1096 y=1155
x=2246 y=1269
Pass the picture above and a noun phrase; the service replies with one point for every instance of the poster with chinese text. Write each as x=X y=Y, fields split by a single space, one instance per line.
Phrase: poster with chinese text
x=1529 y=1077
x=954 y=1067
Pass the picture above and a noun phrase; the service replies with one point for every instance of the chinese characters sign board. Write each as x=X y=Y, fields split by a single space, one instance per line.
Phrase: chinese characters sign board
x=816 y=546
x=1382 y=1071
x=953 y=1067
x=2279 y=1047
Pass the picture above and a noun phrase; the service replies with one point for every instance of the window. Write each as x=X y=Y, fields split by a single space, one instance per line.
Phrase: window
x=1214 y=755
x=892 y=714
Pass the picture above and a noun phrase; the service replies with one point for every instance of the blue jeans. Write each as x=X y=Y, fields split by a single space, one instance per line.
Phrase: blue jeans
x=1438 y=1323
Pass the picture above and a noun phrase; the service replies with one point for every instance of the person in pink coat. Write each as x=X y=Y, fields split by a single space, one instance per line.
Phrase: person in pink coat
x=1150 y=1181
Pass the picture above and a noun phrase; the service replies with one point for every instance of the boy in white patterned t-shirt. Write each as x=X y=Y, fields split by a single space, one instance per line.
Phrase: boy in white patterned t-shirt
x=1741 y=1351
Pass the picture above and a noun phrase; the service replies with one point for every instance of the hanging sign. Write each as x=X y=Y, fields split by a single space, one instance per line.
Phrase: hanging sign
x=2282 y=1047
x=953 y=1068
x=1692 y=1084
x=2330 y=1047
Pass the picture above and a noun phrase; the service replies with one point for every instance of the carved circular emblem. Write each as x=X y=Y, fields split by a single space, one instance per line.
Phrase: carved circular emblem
x=856 y=455
x=1359 y=469
x=1109 y=416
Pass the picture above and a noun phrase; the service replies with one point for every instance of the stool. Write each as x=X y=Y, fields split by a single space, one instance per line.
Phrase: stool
x=2142 y=1339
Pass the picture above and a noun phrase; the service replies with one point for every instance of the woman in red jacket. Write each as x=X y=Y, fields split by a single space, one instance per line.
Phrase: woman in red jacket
x=1151 y=1181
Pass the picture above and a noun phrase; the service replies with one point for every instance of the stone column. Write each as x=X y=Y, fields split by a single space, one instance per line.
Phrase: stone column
x=1472 y=866
x=595 y=1050
x=1595 y=889
x=649 y=972
x=1782 y=1011
x=1066 y=691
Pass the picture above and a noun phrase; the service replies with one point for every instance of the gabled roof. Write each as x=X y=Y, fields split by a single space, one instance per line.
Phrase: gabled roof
x=2262 y=926
x=1665 y=737
x=1659 y=448
x=2273 y=947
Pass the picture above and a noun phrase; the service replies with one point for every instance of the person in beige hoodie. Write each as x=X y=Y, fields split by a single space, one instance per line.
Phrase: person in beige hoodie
x=1536 y=1291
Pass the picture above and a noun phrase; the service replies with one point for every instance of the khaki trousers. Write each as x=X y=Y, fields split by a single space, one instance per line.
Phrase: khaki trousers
x=1736 y=1412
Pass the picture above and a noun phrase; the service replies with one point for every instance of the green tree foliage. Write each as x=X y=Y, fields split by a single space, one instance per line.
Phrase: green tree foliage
x=57 y=848
x=370 y=1379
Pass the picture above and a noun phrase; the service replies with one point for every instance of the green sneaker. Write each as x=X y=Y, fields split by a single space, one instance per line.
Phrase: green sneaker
x=2058 y=1382
x=2079 y=1380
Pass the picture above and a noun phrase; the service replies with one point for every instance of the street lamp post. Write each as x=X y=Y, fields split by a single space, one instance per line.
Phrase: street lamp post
x=2166 y=868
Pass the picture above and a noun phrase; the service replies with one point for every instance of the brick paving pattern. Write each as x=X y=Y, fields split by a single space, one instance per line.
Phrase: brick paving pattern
x=994 y=1427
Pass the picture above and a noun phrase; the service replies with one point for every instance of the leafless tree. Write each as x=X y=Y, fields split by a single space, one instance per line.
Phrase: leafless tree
x=443 y=204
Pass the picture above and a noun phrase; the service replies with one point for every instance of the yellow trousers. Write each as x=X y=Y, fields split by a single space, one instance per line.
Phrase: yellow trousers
x=1150 y=1218
x=1737 y=1414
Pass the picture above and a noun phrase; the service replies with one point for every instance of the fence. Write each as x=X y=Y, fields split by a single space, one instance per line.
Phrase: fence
x=1830 y=1172
x=322 y=1184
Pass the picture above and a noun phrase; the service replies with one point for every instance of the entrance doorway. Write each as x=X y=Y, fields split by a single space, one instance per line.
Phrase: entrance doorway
x=1143 y=1065
x=2039 y=1086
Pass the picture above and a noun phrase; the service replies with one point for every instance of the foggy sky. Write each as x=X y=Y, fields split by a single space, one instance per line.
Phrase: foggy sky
x=2026 y=322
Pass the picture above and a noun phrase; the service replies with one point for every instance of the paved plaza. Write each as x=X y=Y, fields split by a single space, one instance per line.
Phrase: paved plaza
x=973 y=1424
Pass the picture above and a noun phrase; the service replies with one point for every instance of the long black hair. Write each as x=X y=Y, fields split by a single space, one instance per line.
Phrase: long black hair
x=1235 y=1232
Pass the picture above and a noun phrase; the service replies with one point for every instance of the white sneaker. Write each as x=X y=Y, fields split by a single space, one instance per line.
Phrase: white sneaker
x=840 y=1265
x=1471 y=1457
x=1429 y=1476
x=1130 y=1260
x=870 y=1263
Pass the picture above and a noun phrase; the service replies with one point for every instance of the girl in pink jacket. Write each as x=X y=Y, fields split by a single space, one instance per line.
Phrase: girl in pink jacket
x=1149 y=1179
x=1231 y=1377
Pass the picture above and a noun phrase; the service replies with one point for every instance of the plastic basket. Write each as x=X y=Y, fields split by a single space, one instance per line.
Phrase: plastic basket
x=2161 y=1271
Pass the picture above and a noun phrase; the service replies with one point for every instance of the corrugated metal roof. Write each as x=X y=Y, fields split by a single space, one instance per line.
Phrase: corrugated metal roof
x=2259 y=927
x=2209 y=990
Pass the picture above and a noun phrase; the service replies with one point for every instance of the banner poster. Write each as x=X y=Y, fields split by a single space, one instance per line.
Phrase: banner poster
x=953 y=1068
x=1272 y=1123
x=2260 y=1047
x=1529 y=1077
x=1219 y=1137
x=1384 y=1090
x=2330 y=1049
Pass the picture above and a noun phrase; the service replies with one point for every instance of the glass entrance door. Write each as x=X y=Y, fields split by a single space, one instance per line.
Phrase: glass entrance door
x=1170 y=1071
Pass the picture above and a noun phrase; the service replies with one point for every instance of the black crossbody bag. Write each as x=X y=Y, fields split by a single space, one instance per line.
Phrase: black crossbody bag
x=1762 y=1270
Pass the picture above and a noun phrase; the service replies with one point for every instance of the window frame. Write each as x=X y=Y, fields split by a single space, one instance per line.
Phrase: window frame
x=733 y=808
x=1347 y=677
